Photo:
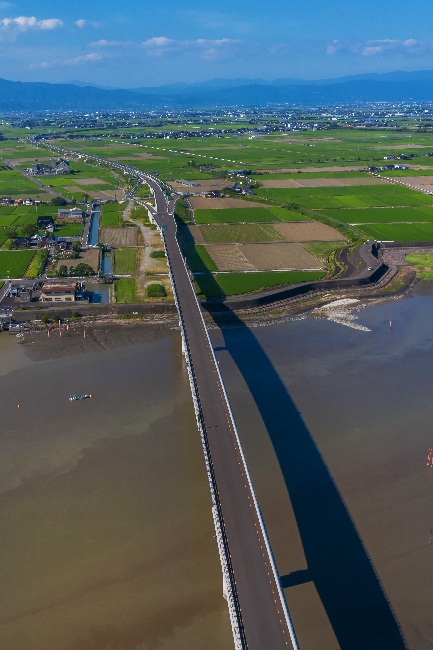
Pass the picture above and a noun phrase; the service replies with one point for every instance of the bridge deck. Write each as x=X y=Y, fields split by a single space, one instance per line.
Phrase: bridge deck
x=263 y=618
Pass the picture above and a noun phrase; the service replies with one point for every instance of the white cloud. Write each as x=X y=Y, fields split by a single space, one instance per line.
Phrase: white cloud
x=159 y=41
x=82 y=59
x=81 y=23
x=104 y=43
x=378 y=47
x=24 y=23
x=92 y=56
x=204 y=48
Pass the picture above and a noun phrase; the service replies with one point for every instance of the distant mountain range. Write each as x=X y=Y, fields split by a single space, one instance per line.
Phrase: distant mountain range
x=389 y=87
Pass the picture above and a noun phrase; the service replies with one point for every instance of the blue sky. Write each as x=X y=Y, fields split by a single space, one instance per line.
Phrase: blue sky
x=139 y=43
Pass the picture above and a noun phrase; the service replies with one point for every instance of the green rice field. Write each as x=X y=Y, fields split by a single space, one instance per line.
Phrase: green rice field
x=381 y=215
x=125 y=290
x=362 y=196
x=125 y=261
x=111 y=215
x=399 y=232
x=246 y=215
x=14 y=264
x=230 y=284
x=69 y=230
x=240 y=233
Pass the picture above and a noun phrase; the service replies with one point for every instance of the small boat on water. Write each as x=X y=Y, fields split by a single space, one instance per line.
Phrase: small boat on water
x=75 y=398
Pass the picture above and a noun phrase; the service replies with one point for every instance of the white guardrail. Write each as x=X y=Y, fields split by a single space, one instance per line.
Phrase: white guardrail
x=235 y=615
x=228 y=579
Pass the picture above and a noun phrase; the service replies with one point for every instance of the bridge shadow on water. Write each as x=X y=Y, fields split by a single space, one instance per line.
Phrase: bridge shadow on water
x=337 y=561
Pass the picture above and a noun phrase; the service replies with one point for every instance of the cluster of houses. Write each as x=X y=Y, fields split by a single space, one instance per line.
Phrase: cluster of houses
x=386 y=168
x=60 y=166
x=7 y=200
x=48 y=224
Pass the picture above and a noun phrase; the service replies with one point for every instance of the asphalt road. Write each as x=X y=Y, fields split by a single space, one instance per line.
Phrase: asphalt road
x=263 y=619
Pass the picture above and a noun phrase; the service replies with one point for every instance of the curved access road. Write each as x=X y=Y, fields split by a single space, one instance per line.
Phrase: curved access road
x=263 y=614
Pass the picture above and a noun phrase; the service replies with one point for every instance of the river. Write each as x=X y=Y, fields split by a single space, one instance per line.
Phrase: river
x=107 y=538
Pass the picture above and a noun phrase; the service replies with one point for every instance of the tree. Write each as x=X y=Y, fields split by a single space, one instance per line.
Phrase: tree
x=76 y=246
x=57 y=200
x=62 y=271
x=44 y=319
x=83 y=270
x=29 y=230
x=155 y=291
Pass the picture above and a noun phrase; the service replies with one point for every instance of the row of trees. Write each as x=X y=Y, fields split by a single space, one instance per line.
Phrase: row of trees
x=82 y=270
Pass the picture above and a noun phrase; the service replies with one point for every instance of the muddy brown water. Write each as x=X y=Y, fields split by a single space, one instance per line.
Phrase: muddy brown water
x=105 y=517
x=336 y=425
x=106 y=532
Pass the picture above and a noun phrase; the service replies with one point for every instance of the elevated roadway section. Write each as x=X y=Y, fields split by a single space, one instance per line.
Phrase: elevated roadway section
x=258 y=610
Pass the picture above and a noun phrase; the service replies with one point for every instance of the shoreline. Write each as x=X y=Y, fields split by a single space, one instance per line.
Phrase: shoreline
x=90 y=334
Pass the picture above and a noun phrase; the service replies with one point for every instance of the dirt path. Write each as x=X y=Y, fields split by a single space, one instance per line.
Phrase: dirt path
x=152 y=241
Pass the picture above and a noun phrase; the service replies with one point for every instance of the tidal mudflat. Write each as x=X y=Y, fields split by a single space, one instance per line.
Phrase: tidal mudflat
x=105 y=518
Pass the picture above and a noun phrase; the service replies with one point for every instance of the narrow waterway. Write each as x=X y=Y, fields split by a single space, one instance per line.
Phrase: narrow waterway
x=94 y=226
x=106 y=262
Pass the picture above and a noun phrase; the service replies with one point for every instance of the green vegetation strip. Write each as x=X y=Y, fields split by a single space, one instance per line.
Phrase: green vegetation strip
x=243 y=215
x=199 y=259
x=37 y=264
x=14 y=264
x=125 y=290
x=111 y=215
x=125 y=261
x=230 y=284
x=399 y=232
x=423 y=263
x=362 y=196
x=381 y=215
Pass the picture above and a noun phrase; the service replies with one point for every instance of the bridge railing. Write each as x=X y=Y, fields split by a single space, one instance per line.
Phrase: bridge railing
x=265 y=537
x=230 y=592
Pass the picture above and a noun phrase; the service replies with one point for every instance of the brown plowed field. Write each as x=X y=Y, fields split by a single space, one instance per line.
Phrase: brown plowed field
x=119 y=237
x=228 y=257
x=202 y=203
x=72 y=188
x=322 y=182
x=90 y=257
x=308 y=231
x=107 y=194
x=202 y=186
x=196 y=235
x=265 y=257
x=262 y=257
x=422 y=182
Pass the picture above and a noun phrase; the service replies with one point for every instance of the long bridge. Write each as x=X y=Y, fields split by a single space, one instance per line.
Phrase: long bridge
x=259 y=615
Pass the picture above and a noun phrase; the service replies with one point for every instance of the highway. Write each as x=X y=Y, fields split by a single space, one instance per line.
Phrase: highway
x=263 y=612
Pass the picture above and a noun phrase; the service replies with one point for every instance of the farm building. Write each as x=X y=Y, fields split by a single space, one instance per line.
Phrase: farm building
x=70 y=213
x=59 y=166
x=58 y=294
x=45 y=222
